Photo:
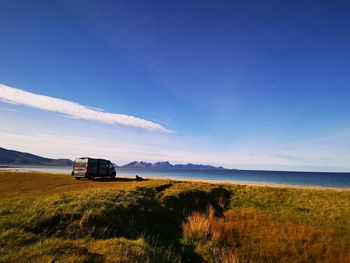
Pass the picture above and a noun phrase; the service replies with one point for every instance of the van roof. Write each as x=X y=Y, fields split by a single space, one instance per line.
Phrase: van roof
x=89 y=158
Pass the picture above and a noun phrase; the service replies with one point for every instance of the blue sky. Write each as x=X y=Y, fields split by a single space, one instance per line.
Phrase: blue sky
x=244 y=84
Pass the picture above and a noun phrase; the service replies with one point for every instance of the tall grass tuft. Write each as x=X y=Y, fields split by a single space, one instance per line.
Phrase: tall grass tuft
x=244 y=235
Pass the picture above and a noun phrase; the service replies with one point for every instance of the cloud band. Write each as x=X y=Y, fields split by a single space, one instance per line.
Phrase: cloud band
x=73 y=109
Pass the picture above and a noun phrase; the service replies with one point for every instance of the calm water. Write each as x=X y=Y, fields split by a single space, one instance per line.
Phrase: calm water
x=276 y=177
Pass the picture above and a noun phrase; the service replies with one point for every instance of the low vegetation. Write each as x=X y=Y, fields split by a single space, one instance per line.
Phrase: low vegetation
x=247 y=234
x=52 y=217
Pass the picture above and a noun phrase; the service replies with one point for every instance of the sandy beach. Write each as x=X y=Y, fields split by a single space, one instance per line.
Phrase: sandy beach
x=261 y=184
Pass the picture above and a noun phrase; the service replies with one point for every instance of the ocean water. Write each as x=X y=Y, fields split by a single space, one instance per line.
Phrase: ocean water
x=244 y=176
x=275 y=177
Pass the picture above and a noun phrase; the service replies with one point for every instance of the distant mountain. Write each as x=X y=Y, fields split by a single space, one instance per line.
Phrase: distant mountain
x=21 y=158
x=136 y=164
x=197 y=166
x=162 y=165
x=167 y=165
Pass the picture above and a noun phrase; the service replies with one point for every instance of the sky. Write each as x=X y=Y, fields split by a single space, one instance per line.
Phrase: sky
x=243 y=84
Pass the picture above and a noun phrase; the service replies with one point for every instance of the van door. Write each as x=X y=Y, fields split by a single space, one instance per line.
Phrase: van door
x=103 y=168
x=80 y=168
x=93 y=167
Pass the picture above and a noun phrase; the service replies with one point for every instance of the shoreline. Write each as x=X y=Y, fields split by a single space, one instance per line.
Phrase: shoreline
x=246 y=183
x=209 y=181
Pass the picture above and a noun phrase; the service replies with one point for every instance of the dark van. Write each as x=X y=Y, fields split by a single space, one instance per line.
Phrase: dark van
x=90 y=168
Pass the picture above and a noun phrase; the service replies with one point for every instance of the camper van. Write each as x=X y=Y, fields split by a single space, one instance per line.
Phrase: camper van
x=90 y=168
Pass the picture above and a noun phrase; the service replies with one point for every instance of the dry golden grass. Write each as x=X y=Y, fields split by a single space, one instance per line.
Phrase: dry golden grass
x=14 y=184
x=244 y=235
x=83 y=250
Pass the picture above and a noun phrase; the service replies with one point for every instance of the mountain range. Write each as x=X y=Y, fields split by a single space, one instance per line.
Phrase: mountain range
x=167 y=165
x=12 y=157
x=22 y=158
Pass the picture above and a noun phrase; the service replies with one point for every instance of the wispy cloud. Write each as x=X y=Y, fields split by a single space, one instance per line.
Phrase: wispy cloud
x=73 y=109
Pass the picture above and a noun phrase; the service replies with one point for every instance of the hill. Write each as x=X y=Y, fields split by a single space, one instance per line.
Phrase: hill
x=167 y=165
x=55 y=218
x=22 y=158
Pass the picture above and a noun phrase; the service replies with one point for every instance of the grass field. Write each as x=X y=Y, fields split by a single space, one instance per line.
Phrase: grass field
x=53 y=217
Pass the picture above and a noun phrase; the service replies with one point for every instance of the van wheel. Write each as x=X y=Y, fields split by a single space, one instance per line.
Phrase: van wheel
x=91 y=177
x=78 y=178
x=113 y=175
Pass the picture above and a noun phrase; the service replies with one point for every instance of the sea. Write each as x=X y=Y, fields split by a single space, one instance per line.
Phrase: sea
x=323 y=179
